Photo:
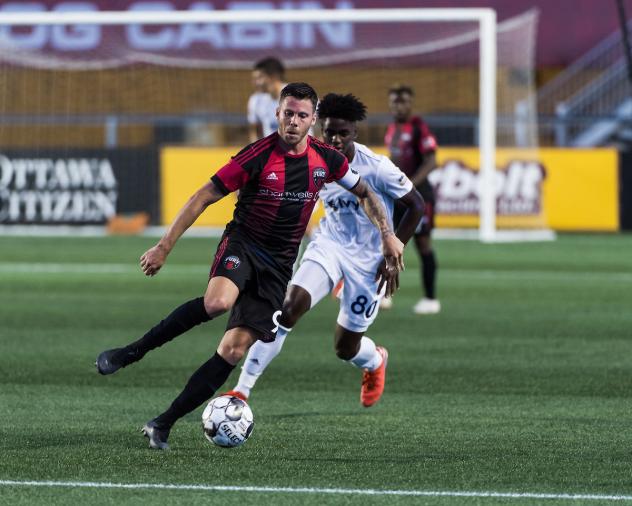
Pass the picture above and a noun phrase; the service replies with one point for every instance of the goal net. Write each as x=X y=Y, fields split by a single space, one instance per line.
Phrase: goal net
x=92 y=102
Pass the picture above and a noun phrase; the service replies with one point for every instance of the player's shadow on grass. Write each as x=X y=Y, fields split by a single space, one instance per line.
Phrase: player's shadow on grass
x=60 y=438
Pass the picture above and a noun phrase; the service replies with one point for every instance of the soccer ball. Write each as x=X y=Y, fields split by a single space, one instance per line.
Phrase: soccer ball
x=227 y=421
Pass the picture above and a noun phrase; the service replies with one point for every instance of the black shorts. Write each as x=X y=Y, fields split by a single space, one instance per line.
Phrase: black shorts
x=261 y=285
x=427 y=221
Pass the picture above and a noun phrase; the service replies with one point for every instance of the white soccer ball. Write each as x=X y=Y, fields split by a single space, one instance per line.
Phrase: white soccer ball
x=227 y=421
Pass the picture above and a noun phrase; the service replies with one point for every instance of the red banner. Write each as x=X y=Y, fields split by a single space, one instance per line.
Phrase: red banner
x=591 y=21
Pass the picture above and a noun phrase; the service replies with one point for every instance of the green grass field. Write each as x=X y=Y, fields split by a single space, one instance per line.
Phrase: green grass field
x=523 y=384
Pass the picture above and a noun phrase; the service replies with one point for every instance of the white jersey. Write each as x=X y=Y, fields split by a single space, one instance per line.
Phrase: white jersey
x=345 y=221
x=262 y=110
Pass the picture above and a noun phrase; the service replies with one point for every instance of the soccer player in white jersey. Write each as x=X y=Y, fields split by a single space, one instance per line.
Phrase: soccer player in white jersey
x=346 y=246
x=267 y=77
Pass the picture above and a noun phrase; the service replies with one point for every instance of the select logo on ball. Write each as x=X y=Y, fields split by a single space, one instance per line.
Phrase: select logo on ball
x=231 y=262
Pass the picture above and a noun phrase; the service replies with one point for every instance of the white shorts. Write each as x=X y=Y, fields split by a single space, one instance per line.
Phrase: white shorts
x=359 y=303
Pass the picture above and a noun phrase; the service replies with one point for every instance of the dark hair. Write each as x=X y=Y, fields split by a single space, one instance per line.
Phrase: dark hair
x=401 y=89
x=345 y=107
x=270 y=66
x=300 y=91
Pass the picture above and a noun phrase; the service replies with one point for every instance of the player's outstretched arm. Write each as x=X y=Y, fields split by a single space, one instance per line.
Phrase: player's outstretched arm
x=392 y=247
x=153 y=259
x=414 y=204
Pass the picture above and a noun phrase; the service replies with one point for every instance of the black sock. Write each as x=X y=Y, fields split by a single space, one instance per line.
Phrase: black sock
x=429 y=273
x=181 y=319
x=201 y=386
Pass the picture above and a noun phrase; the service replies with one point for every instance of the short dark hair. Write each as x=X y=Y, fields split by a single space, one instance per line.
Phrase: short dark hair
x=270 y=66
x=401 y=89
x=345 y=107
x=300 y=91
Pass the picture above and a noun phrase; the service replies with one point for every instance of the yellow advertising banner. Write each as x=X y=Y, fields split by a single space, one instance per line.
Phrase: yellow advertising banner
x=581 y=189
x=185 y=170
x=562 y=189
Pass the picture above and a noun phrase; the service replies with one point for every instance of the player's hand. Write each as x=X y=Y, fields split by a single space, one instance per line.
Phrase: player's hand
x=387 y=275
x=153 y=259
x=393 y=250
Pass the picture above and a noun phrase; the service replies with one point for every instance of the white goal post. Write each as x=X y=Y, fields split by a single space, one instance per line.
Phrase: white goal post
x=486 y=19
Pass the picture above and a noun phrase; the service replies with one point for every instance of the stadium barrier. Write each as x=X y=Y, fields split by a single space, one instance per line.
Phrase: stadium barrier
x=77 y=186
x=560 y=189
x=563 y=189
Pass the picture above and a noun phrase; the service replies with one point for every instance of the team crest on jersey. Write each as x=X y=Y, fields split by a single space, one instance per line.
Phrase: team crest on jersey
x=231 y=262
x=319 y=175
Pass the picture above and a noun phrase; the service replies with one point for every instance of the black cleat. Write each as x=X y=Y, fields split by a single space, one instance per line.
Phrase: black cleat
x=110 y=361
x=157 y=436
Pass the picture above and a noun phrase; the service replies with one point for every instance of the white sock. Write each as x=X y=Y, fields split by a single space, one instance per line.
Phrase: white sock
x=259 y=356
x=367 y=357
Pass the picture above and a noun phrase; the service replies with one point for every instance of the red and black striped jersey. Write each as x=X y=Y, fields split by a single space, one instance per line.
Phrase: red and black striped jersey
x=278 y=191
x=407 y=144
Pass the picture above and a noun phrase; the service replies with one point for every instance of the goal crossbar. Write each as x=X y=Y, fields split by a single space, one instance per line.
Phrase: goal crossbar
x=411 y=15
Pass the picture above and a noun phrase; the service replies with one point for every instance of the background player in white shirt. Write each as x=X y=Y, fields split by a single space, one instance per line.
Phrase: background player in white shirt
x=267 y=77
x=347 y=245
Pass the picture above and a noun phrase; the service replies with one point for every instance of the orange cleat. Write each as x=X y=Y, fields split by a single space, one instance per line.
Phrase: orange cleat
x=373 y=381
x=236 y=393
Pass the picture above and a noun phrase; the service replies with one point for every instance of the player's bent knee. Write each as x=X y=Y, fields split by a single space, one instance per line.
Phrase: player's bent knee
x=232 y=353
x=217 y=305
x=296 y=304
x=235 y=344
x=291 y=313
x=346 y=343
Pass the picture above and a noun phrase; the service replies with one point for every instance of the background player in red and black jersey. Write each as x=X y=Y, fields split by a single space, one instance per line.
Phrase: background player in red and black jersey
x=279 y=178
x=412 y=148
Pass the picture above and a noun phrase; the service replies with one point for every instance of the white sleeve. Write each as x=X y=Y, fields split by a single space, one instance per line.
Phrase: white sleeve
x=252 y=109
x=392 y=180
x=350 y=179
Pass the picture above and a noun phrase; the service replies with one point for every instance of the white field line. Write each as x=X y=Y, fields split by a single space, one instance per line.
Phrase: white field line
x=314 y=490
x=125 y=268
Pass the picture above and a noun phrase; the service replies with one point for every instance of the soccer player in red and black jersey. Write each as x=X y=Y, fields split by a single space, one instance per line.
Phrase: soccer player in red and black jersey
x=279 y=178
x=412 y=148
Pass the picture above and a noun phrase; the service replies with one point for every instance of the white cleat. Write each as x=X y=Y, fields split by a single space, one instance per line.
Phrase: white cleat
x=386 y=303
x=427 y=306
